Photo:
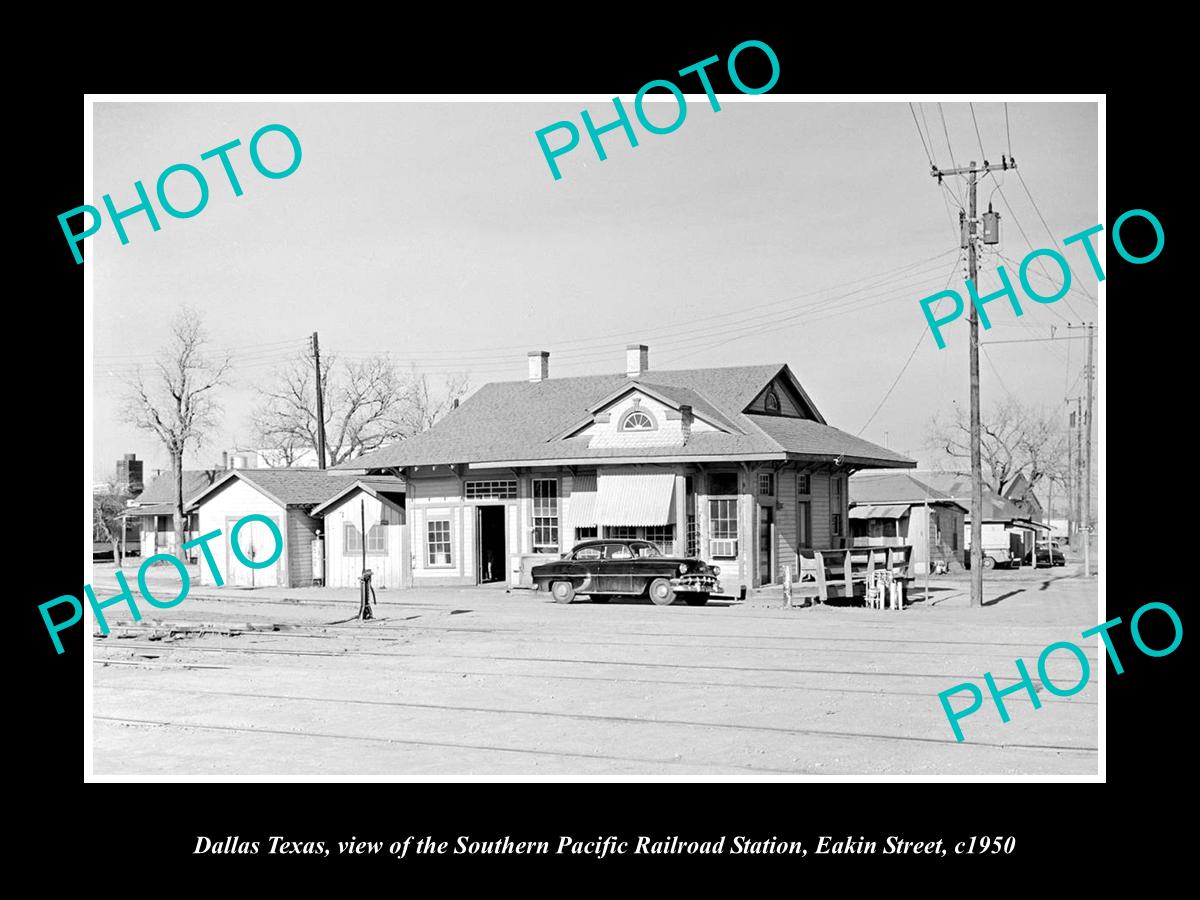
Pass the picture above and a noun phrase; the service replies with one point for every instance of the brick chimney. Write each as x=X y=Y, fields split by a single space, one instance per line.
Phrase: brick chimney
x=129 y=474
x=687 y=417
x=637 y=360
x=539 y=365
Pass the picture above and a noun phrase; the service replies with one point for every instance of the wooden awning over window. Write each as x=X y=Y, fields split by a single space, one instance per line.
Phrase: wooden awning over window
x=879 y=512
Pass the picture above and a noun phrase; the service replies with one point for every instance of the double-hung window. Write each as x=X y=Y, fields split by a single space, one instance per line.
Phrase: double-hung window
x=438 y=542
x=545 y=515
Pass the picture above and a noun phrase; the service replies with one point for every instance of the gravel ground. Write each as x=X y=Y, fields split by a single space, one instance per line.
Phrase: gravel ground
x=481 y=682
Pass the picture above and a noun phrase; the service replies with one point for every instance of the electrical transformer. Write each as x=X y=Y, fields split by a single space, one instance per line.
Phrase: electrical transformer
x=991 y=226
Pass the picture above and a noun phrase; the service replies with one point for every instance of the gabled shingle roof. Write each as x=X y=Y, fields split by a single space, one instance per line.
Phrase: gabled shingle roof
x=893 y=487
x=958 y=486
x=521 y=420
x=288 y=487
x=162 y=488
x=390 y=489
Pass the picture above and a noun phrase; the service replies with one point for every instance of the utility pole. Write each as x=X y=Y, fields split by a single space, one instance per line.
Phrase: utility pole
x=316 y=350
x=970 y=236
x=1049 y=526
x=1071 y=481
x=1086 y=426
x=1087 y=485
x=1078 y=465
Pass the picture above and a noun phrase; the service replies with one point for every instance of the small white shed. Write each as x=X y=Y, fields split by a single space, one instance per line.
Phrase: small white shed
x=365 y=527
x=284 y=496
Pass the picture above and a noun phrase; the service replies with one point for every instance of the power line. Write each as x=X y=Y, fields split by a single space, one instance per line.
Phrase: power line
x=904 y=368
x=598 y=345
x=1016 y=265
x=1033 y=340
x=1041 y=265
x=1036 y=209
x=975 y=122
x=231 y=350
x=946 y=132
x=590 y=347
x=726 y=336
x=1021 y=178
x=803 y=318
x=1004 y=386
x=1009 y=205
x=928 y=155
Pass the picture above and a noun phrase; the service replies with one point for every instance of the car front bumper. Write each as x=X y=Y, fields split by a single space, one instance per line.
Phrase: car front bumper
x=699 y=584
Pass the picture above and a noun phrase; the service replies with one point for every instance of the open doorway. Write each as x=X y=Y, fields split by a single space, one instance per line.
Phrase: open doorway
x=491 y=559
x=766 y=544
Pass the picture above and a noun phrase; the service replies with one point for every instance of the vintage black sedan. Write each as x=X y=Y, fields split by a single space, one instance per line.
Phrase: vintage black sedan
x=605 y=568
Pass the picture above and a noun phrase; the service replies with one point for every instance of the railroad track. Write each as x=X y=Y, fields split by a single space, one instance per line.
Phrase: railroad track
x=521 y=637
x=453 y=745
x=622 y=720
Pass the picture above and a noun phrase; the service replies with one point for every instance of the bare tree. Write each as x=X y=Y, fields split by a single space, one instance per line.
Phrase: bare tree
x=176 y=400
x=368 y=403
x=1014 y=439
x=107 y=524
x=423 y=408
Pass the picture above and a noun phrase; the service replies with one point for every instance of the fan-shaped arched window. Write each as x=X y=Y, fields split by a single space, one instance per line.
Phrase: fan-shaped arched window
x=771 y=402
x=638 y=421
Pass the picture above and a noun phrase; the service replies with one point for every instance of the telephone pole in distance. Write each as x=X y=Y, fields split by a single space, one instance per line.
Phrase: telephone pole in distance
x=316 y=350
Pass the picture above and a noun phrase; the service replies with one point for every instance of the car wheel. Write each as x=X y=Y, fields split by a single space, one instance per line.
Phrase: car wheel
x=563 y=591
x=599 y=599
x=696 y=599
x=661 y=592
x=988 y=563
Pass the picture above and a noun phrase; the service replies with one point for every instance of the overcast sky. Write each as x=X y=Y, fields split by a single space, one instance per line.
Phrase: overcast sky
x=436 y=233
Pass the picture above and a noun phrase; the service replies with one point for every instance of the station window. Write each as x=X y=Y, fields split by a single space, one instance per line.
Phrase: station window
x=438 y=542
x=545 y=515
x=637 y=421
x=723 y=520
x=662 y=537
x=621 y=533
x=492 y=490
x=766 y=484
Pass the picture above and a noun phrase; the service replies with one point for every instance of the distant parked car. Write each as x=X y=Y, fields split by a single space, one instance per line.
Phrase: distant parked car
x=993 y=558
x=1047 y=555
x=603 y=569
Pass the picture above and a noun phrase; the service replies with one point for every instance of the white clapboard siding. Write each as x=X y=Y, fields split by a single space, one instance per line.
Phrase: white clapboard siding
x=219 y=511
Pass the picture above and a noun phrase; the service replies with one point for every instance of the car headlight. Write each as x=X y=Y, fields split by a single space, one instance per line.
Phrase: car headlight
x=683 y=568
x=716 y=570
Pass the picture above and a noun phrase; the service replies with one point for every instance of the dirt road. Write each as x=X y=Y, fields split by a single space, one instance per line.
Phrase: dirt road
x=480 y=682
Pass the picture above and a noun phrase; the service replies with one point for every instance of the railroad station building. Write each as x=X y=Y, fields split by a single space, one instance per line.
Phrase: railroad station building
x=735 y=465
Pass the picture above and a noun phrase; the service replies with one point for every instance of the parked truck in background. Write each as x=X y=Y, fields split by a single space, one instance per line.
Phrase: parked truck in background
x=1000 y=547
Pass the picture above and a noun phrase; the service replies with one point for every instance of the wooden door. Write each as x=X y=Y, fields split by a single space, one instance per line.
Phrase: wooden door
x=257 y=543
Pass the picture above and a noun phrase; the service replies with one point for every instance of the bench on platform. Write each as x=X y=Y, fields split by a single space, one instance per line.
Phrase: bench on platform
x=850 y=571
